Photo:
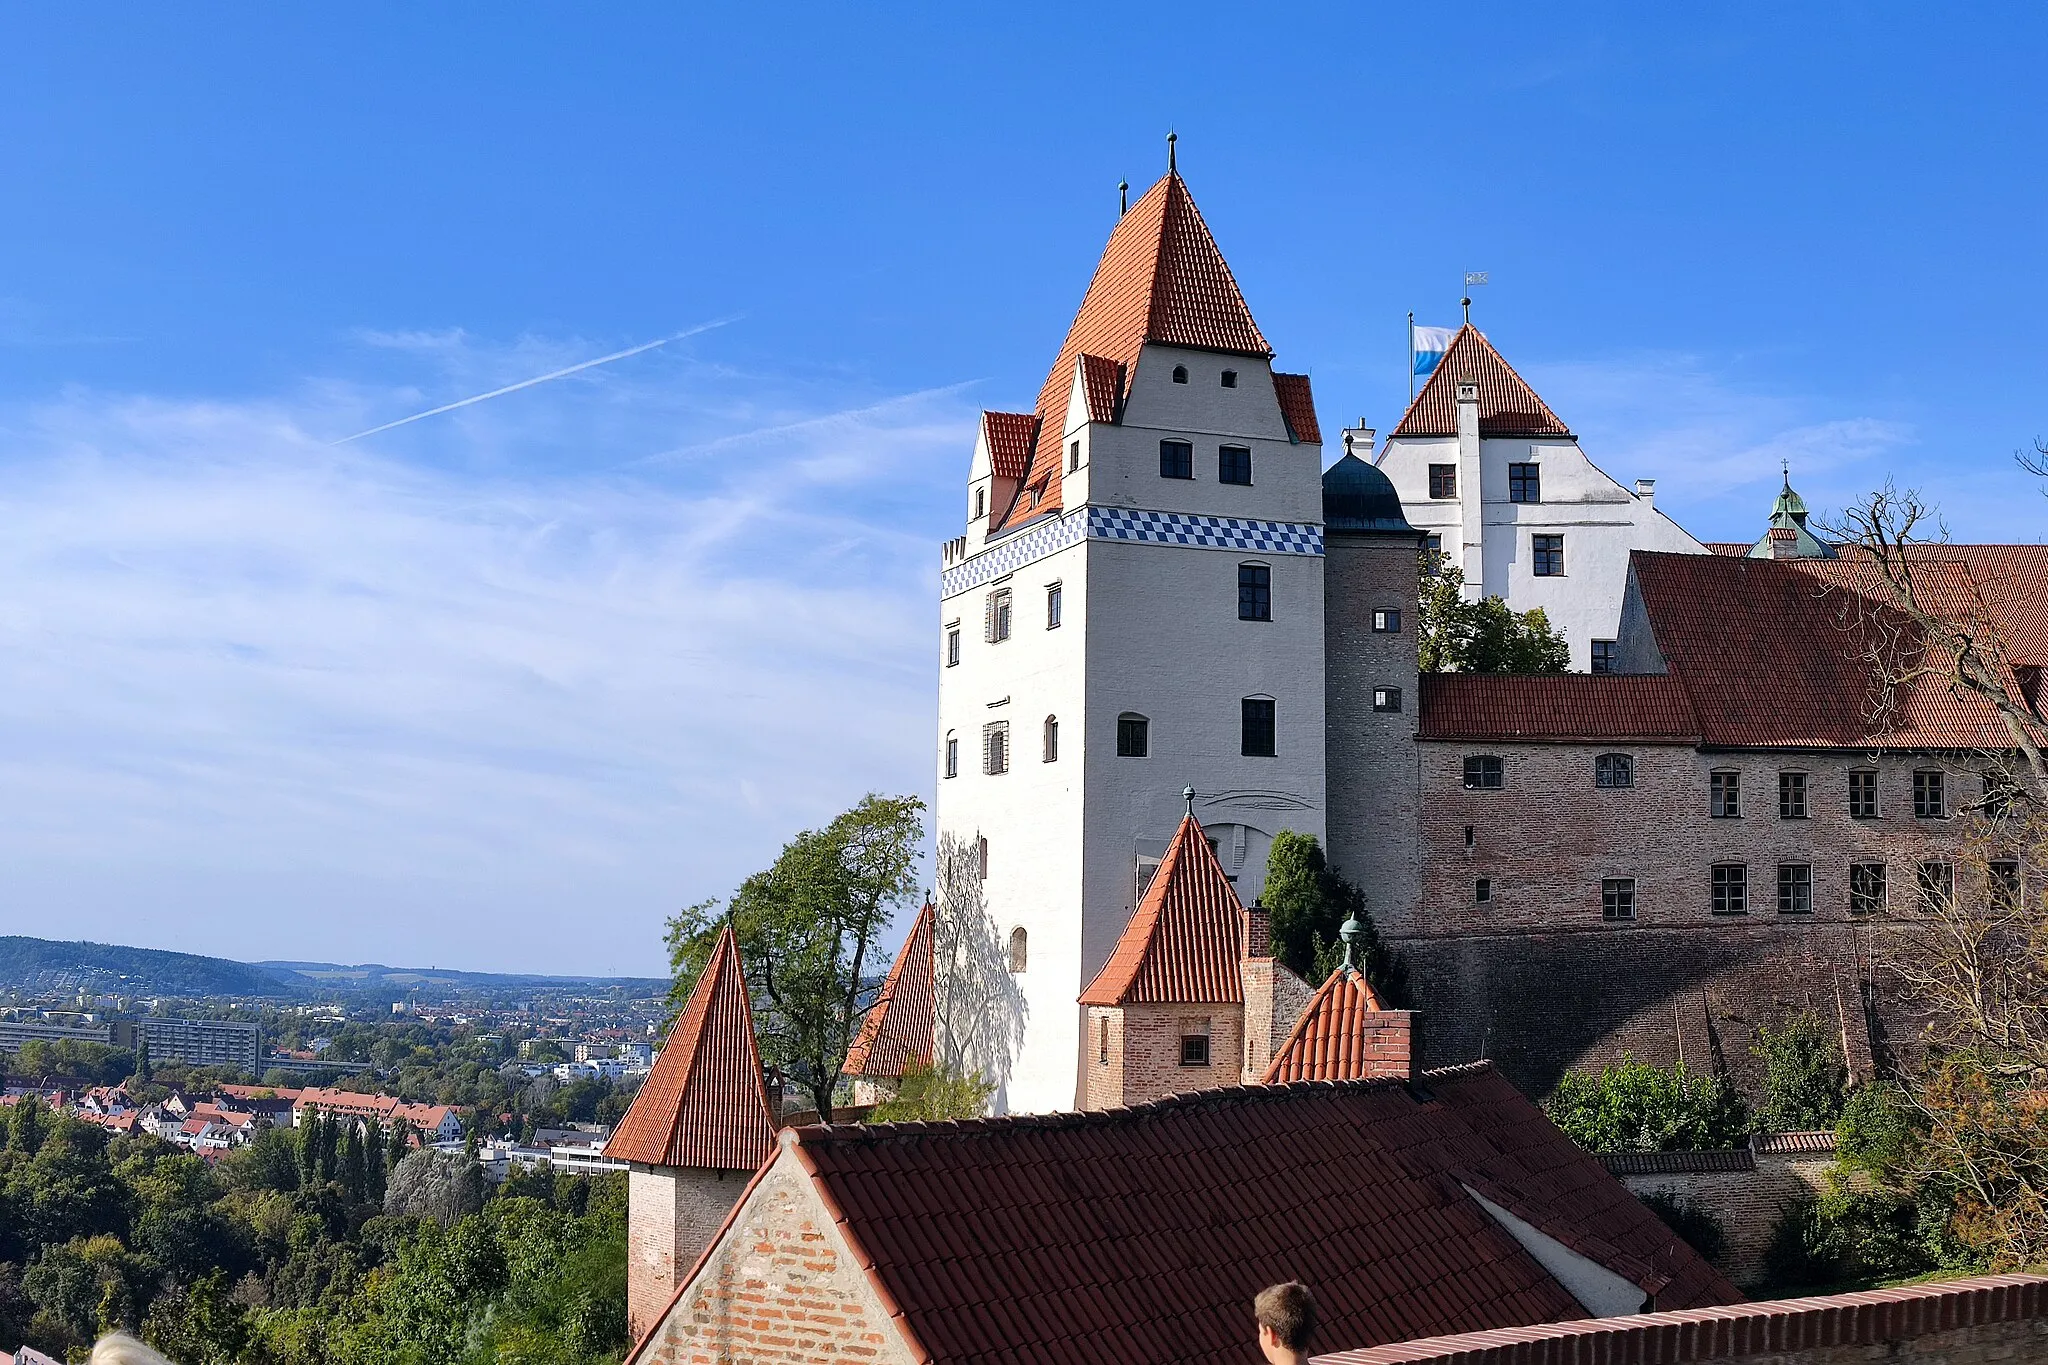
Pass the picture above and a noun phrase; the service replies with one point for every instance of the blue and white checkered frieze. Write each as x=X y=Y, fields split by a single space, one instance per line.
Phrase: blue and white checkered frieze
x=1123 y=523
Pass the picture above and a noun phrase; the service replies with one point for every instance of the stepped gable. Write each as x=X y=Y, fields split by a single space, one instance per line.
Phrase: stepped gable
x=1161 y=278
x=899 y=1028
x=1507 y=405
x=1140 y=1235
x=1186 y=938
x=704 y=1103
x=1009 y=442
x=1328 y=1041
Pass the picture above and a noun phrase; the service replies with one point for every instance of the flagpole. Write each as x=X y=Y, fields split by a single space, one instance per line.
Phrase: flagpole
x=1411 y=357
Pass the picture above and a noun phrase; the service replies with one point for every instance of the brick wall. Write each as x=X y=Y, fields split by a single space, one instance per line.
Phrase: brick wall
x=671 y=1215
x=1145 y=1052
x=1273 y=999
x=1986 y=1321
x=1745 y=1190
x=778 y=1291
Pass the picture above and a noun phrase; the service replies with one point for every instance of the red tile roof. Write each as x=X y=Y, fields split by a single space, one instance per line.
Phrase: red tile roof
x=1184 y=942
x=898 y=1028
x=1327 y=1042
x=1161 y=278
x=1139 y=1236
x=1298 y=406
x=1507 y=405
x=704 y=1104
x=1009 y=442
x=1102 y=379
x=1556 y=707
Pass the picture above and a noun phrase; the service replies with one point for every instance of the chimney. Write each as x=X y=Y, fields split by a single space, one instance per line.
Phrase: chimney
x=1646 y=489
x=1358 y=441
x=1258 y=931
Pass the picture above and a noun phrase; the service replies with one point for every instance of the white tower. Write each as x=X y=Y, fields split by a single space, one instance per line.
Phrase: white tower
x=1136 y=607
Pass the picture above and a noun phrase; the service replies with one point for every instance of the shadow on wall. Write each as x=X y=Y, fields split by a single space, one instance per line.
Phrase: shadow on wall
x=979 y=1010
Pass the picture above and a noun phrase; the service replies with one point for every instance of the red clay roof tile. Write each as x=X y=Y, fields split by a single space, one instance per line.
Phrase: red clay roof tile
x=1298 y=406
x=1507 y=405
x=1102 y=381
x=1009 y=442
x=704 y=1103
x=1327 y=1042
x=898 y=1028
x=1184 y=941
x=1556 y=707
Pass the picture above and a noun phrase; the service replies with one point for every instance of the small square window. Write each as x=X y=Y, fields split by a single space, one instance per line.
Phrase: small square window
x=1731 y=888
x=1386 y=621
x=1791 y=796
x=1386 y=699
x=1233 y=465
x=1483 y=773
x=1176 y=460
x=1937 y=886
x=1862 y=794
x=1194 y=1049
x=1525 y=483
x=1617 y=898
x=1443 y=481
x=1053 y=595
x=952 y=646
x=1795 y=889
x=1180 y=374
x=1614 y=770
x=1930 y=800
x=1133 y=736
x=1482 y=891
x=1724 y=799
x=1606 y=655
x=1230 y=379
x=1547 y=556
x=1866 y=888
x=1254 y=592
x=1258 y=727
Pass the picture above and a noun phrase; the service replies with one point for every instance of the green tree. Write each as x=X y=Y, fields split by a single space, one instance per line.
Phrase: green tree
x=929 y=1094
x=1633 y=1106
x=1805 y=1083
x=373 y=1163
x=142 y=1070
x=807 y=930
x=28 y=1125
x=350 y=1168
x=1307 y=902
x=309 y=1149
x=1454 y=635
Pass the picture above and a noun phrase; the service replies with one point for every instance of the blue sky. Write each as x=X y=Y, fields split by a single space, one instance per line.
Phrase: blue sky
x=501 y=688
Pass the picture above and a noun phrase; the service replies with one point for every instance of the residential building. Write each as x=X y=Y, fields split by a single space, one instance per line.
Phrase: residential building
x=204 y=1042
x=428 y=1123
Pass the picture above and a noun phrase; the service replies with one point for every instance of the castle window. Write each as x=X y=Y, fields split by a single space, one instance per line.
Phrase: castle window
x=1230 y=379
x=1617 y=898
x=981 y=858
x=1471 y=837
x=2004 y=884
x=1257 y=737
x=1795 y=889
x=1133 y=735
x=952 y=644
x=1254 y=592
x=1020 y=948
x=1999 y=790
x=1791 y=796
x=1937 y=886
x=1606 y=654
x=1052 y=606
x=1073 y=456
x=995 y=747
x=1731 y=888
x=1724 y=795
x=1194 y=1049
x=1614 y=770
x=997 y=622
x=1482 y=891
x=1866 y=888
x=1386 y=621
x=1052 y=739
x=980 y=503
x=1233 y=464
x=1525 y=483
x=1483 y=773
x=952 y=754
x=1443 y=482
x=1102 y=1039
x=1176 y=460
x=1386 y=699
x=1546 y=555
x=1180 y=374
x=1862 y=793
x=1930 y=802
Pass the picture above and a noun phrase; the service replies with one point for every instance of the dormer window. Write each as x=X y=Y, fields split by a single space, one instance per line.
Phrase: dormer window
x=1180 y=374
x=1230 y=379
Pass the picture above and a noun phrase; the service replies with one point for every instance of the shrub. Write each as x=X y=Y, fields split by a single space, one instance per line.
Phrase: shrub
x=1633 y=1106
x=1804 y=1080
x=934 y=1093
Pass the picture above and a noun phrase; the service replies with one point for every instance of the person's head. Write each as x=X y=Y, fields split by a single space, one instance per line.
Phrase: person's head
x=117 y=1348
x=1287 y=1319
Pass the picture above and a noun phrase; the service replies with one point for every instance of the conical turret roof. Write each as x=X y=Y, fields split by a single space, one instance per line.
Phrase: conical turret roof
x=1185 y=940
x=898 y=1029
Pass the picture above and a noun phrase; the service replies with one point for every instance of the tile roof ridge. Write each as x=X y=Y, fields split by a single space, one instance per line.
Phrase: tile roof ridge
x=1468 y=339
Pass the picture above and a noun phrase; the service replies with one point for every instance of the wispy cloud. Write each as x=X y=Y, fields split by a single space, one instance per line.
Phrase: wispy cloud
x=263 y=696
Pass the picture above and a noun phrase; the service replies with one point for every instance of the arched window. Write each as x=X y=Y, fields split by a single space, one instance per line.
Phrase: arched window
x=1180 y=374
x=1052 y=739
x=1020 y=948
x=1230 y=379
x=981 y=858
x=1133 y=735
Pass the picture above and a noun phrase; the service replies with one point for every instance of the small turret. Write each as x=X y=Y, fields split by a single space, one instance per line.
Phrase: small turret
x=1787 y=536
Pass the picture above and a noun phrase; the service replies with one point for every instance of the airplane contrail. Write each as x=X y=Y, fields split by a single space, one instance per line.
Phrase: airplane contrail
x=538 y=379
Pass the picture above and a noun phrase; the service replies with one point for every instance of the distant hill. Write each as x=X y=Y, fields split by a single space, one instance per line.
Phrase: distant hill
x=376 y=976
x=40 y=964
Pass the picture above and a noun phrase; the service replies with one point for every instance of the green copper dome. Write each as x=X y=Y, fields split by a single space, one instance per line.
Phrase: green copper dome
x=1359 y=497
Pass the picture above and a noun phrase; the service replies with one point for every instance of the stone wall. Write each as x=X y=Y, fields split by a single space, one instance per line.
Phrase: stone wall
x=779 y=1290
x=1746 y=1190
x=672 y=1215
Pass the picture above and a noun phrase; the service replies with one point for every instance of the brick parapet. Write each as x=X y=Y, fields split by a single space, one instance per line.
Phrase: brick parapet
x=1994 y=1318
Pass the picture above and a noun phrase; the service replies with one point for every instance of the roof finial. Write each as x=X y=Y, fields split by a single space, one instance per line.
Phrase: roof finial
x=1785 y=463
x=1187 y=794
x=1349 y=932
x=1467 y=302
x=1123 y=197
x=1171 y=167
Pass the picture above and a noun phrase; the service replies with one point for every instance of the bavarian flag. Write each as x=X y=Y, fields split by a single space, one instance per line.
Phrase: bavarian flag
x=1428 y=347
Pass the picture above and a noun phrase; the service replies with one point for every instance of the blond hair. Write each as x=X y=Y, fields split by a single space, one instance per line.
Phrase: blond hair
x=118 y=1348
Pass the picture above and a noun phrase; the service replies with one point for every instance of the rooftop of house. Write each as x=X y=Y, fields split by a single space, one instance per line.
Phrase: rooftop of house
x=1507 y=405
x=1331 y=1039
x=1140 y=1235
x=1185 y=940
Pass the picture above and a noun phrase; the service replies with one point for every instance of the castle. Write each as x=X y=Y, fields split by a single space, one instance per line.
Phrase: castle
x=1160 y=586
